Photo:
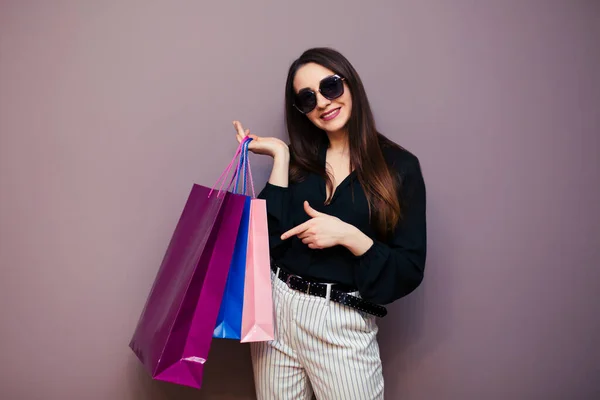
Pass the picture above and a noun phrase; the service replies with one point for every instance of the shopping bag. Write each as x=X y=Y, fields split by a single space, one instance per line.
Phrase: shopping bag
x=174 y=332
x=229 y=320
x=257 y=315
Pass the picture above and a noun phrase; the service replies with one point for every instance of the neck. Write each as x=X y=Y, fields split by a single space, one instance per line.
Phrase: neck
x=338 y=141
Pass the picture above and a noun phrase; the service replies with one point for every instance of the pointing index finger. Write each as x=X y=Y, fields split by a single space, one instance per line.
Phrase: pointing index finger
x=295 y=231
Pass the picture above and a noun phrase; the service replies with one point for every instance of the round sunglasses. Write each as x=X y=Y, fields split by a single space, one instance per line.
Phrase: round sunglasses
x=331 y=87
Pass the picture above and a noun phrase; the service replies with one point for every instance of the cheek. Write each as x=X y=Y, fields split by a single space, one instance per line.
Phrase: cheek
x=347 y=102
x=346 y=99
x=314 y=118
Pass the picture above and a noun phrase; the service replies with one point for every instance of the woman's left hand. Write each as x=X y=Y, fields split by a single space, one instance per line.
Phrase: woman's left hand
x=321 y=231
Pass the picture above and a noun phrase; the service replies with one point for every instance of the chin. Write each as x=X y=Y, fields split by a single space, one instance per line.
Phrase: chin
x=335 y=125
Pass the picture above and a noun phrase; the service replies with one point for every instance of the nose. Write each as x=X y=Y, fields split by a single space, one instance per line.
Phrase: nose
x=322 y=102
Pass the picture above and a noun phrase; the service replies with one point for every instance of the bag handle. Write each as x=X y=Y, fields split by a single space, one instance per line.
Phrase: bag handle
x=225 y=173
x=249 y=171
x=244 y=171
x=241 y=167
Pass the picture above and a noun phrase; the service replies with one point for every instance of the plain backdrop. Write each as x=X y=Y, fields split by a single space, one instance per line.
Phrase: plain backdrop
x=110 y=110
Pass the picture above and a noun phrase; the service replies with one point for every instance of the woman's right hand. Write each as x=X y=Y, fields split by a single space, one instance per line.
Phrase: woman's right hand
x=261 y=145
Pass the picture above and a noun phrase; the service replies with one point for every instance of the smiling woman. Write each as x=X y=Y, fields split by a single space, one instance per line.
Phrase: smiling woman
x=347 y=226
x=332 y=88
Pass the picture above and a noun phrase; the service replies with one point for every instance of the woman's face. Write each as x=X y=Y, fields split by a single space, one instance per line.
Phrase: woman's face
x=328 y=115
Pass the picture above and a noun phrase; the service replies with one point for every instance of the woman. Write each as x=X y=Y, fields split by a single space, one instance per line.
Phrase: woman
x=346 y=209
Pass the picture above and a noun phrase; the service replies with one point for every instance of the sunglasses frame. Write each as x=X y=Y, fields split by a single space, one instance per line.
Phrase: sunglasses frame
x=341 y=78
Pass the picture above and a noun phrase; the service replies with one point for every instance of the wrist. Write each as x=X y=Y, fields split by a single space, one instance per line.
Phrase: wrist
x=356 y=241
x=282 y=153
x=281 y=163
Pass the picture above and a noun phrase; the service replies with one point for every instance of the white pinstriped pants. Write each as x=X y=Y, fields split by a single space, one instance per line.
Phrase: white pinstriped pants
x=320 y=347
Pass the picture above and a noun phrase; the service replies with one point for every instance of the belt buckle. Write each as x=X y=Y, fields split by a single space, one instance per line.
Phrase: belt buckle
x=287 y=280
x=290 y=276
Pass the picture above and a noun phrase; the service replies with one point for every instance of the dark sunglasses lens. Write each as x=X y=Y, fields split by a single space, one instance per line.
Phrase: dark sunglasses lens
x=332 y=87
x=306 y=101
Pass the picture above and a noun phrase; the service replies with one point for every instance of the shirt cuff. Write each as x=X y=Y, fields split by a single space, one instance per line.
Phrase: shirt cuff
x=270 y=186
x=272 y=192
x=376 y=250
x=371 y=261
x=271 y=189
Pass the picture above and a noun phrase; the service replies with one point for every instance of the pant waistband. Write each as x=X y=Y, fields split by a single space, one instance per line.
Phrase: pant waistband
x=328 y=291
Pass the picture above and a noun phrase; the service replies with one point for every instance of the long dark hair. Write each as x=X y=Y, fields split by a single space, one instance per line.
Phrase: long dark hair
x=365 y=142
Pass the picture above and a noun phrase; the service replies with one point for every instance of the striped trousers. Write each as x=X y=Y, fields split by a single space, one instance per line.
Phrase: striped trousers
x=320 y=347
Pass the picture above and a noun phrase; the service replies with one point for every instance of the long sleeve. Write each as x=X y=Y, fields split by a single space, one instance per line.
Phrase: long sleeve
x=391 y=270
x=278 y=216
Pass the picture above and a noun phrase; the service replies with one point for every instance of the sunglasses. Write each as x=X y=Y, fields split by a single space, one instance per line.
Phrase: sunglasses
x=330 y=87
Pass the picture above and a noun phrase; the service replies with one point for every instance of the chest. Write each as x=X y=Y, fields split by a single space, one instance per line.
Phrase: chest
x=338 y=168
x=348 y=203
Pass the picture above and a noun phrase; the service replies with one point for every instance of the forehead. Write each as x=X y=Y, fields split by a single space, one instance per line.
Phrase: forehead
x=309 y=76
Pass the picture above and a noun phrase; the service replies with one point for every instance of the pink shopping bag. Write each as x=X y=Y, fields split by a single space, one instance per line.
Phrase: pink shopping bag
x=257 y=315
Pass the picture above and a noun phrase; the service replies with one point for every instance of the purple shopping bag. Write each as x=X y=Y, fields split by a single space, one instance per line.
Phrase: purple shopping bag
x=174 y=332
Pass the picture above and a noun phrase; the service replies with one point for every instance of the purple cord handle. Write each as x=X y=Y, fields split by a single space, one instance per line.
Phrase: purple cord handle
x=225 y=173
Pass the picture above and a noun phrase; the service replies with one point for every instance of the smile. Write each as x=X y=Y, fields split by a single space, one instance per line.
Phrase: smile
x=331 y=114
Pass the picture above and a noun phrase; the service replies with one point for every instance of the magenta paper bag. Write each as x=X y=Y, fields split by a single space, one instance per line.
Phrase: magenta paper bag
x=174 y=332
x=257 y=315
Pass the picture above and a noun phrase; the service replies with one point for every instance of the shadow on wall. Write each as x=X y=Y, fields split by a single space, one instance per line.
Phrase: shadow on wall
x=417 y=325
x=228 y=376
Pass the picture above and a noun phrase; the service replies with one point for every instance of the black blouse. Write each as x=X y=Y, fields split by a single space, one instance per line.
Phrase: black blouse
x=390 y=269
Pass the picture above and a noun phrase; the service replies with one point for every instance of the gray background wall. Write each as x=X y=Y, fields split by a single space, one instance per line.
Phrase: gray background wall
x=110 y=110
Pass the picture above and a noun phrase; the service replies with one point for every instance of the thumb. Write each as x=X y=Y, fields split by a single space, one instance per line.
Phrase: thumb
x=311 y=211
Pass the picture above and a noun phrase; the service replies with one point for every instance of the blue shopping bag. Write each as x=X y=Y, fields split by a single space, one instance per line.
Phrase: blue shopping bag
x=229 y=321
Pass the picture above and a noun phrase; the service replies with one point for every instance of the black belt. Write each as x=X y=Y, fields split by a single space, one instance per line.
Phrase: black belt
x=320 y=289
